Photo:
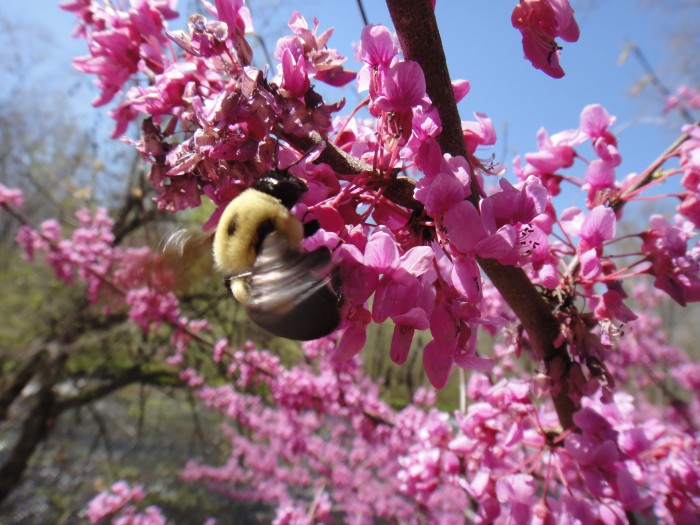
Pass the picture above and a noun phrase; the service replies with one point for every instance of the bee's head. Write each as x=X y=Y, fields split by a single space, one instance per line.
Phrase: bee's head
x=284 y=187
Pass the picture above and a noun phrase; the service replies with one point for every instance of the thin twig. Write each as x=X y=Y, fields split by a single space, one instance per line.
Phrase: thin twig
x=363 y=14
x=656 y=81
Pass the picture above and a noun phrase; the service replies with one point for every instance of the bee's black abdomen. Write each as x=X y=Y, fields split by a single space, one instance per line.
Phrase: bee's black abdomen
x=314 y=317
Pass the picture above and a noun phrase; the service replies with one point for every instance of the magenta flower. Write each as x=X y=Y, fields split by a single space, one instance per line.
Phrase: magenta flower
x=479 y=133
x=438 y=359
x=685 y=96
x=600 y=175
x=514 y=205
x=114 y=501
x=378 y=50
x=405 y=291
x=149 y=308
x=122 y=43
x=610 y=305
x=236 y=16
x=447 y=182
x=205 y=38
x=518 y=493
x=595 y=121
x=421 y=145
x=295 y=81
x=11 y=196
x=402 y=88
x=378 y=46
x=460 y=88
x=321 y=62
x=593 y=229
x=473 y=234
x=690 y=162
x=454 y=342
x=674 y=264
x=554 y=153
x=540 y=22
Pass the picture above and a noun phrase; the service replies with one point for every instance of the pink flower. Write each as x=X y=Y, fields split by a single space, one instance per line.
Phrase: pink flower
x=236 y=16
x=11 y=196
x=600 y=175
x=149 y=308
x=685 y=96
x=295 y=81
x=206 y=38
x=378 y=50
x=121 y=43
x=402 y=88
x=321 y=62
x=610 y=305
x=460 y=88
x=540 y=22
x=593 y=229
x=405 y=292
x=595 y=121
x=111 y=502
x=479 y=133
x=554 y=153
x=674 y=264
x=405 y=326
x=514 y=205
x=450 y=184
x=598 y=226
x=378 y=46
x=517 y=491
x=472 y=234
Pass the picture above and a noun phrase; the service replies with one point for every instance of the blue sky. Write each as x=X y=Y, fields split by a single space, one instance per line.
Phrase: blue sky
x=480 y=45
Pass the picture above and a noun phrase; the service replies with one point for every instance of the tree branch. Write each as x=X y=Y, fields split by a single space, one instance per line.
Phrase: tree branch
x=20 y=380
x=420 y=41
x=34 y=429
x=132 y=375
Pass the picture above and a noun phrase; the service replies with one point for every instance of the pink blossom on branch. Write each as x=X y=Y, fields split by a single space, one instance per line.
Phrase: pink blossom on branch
x=11 y=196
x=541 y=22
x=117 y=504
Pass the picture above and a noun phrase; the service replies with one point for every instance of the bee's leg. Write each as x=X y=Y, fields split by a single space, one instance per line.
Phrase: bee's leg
x=311 y=227
x=337 y=286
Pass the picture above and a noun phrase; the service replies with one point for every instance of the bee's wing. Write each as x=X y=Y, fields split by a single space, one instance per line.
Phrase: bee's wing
x=187 y=255
x=187 y=245
x=282 y=277
x=291 y=293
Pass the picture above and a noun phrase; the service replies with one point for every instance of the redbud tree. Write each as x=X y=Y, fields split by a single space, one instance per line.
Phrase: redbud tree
x=556 y=422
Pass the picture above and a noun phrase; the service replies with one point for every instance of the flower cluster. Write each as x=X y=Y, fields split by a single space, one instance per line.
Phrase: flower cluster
x=323 y=442
x=114 y=277
x=117 y=504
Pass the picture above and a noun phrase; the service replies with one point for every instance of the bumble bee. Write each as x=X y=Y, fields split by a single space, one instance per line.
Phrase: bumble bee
x=257 y=245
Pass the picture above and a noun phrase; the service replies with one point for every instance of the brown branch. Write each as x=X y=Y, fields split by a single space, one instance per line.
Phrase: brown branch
x=343 y=163
x=656 y=81
x=20 y=380
x=35 y=428
x=420 y=41
x=130 y=376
